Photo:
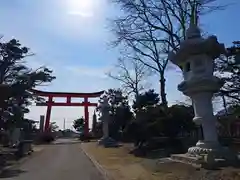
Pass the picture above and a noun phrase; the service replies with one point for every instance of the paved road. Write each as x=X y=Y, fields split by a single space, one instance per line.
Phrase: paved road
x=63 y=160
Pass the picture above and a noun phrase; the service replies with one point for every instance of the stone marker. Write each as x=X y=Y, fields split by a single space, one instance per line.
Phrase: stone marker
x=104 y=107
x=41 y=126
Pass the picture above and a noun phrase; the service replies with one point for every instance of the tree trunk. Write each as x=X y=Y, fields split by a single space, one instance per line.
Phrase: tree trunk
x=136 y=94
x=163 y=90
x=225 y=105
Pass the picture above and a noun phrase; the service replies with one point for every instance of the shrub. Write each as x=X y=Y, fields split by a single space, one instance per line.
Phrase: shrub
x=177 y=119
x=155 y=122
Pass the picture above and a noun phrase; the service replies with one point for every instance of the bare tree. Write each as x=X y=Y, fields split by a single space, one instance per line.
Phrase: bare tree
x=131 y=74
x=228 y=69
x=152 y=28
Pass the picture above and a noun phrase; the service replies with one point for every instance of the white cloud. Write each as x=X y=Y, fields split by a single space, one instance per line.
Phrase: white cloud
x=84 y=71
x=84 y=8
x=81 y=13
x=75 y=19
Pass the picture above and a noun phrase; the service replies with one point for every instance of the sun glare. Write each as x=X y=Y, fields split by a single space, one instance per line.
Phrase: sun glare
x=83 y=8
x=81 y=17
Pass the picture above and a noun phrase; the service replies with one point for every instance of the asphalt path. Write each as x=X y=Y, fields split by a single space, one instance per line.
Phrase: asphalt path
x=63 y=160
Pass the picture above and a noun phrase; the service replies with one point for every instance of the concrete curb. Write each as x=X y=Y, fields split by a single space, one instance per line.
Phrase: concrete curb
x=99 y=167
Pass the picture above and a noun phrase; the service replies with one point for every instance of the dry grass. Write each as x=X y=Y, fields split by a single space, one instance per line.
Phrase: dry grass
x=124 y=166
x=119 y=163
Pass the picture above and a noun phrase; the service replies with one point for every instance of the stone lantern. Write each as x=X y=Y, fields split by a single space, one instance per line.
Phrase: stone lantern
x=104 y=108
x=196 y=57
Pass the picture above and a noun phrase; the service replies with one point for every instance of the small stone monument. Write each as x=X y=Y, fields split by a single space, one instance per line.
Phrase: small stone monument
x=94 y=122
x=41 y=125
x=196 y=59
x=104 y=106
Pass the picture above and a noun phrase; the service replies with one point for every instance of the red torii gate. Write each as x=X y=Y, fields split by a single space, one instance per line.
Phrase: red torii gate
x=49 y=103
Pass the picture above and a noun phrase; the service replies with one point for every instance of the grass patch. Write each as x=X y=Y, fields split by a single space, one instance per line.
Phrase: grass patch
x=124 y=166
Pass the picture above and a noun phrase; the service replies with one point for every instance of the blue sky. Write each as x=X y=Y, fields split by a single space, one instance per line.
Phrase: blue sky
x=71 y=36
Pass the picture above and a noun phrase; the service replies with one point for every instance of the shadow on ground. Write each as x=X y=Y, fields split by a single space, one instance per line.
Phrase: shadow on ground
x=8 y=173
x=153 y=155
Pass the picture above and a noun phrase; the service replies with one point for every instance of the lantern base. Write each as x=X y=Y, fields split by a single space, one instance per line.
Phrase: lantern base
x=212 y=151
x=203 y=147
x=208 y=157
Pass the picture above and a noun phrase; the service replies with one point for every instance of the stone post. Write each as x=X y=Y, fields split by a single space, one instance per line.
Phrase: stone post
x=41 y=125
x=105 y=116
x=196 y=57
x=94 y=122
x=105 y=119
